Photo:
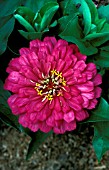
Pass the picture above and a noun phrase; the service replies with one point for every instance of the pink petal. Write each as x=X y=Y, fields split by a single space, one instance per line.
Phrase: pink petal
x=70 y=116
x=23 y=60
x=51 y=104
x=73 y=58
x=92 y=104
x=40 y=105
x=35 y=43
x=85 y=102
x=58 y=115
x=74 y=105
x=22 y=121
x=97 y=80
x=14 y=65
x=68 y=73
x=81 y=115
x=59 y=129
x=98 y=91
x=80 y=56
x=80 y=65
x=61 y=43
x=57 y=104
x=21 y=101
x=66 y=95
x=60 y=65
x=78 y=99
x=89 y=95
x=44 y=127
x=56 y=54
x=89 y=75
x=92 y=68
x=24 y=51
x=65 y=107
x=27 y=91
x=52 y=39
x=63 y=52
x=32 y=116
x=86 y=87
x=28 y=73
x=33 y=127
x=50 y=121
x=82 y=79
x=70 y=126
x=44 y=113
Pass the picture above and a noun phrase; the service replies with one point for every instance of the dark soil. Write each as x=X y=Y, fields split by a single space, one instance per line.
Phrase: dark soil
x=59 y=152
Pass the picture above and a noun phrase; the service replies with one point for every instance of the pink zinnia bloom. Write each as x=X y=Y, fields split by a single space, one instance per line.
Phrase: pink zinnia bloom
x=53 y=86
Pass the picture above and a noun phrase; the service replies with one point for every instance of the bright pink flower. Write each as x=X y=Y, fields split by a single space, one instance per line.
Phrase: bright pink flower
x=53 y=86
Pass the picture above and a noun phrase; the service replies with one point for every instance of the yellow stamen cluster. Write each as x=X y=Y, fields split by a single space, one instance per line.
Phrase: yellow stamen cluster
x=51 y=85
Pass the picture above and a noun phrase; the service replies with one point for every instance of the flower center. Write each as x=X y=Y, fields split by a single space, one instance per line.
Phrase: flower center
x=51 y=86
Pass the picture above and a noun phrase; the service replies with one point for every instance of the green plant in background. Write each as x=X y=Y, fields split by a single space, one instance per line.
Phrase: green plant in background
x=76 y=21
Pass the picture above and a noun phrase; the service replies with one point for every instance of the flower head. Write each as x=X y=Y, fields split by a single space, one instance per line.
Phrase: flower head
x=53 y=86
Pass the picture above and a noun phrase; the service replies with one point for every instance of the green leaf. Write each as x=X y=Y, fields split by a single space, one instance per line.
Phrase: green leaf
x=31 y=35
x=48 y=12
x=105 y=28
x=72 y=29
x=37 y=139
x=73 y=33
x=93 y=11
x=102 y=59
x=103 y=12
x=63 y=21
x=5 y=113
x=35 y=5
x=100 y=119
x=26 y=13
x=85 y=11
x=25 y=23
x=6 y=22
x=68 y=7
x=101 y=113
x=101 y=138
x=7 y=7
x=105 y=48
x=8 y=118
x=100 y=24
x=97 y=39
x=53 y=24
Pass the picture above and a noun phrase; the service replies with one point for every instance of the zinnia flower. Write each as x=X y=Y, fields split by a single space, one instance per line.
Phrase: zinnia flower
x=53 y=86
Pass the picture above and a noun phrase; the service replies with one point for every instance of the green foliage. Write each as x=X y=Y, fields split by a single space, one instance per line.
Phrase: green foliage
x=6 y=22
x=94 y=30
x=30 y=35
x=101 y=138
x=85 y=12
x=23 y=21
x=35 y=6
x=101 y=113
x=73 y=33
x=68 y=7
x=100 y=119
x=7 y=9
x=37 y=139
x=36 y=21
x=45 y=15
x=103 y=12
x=102 y=59
x=26 y=13
x=5 y=113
